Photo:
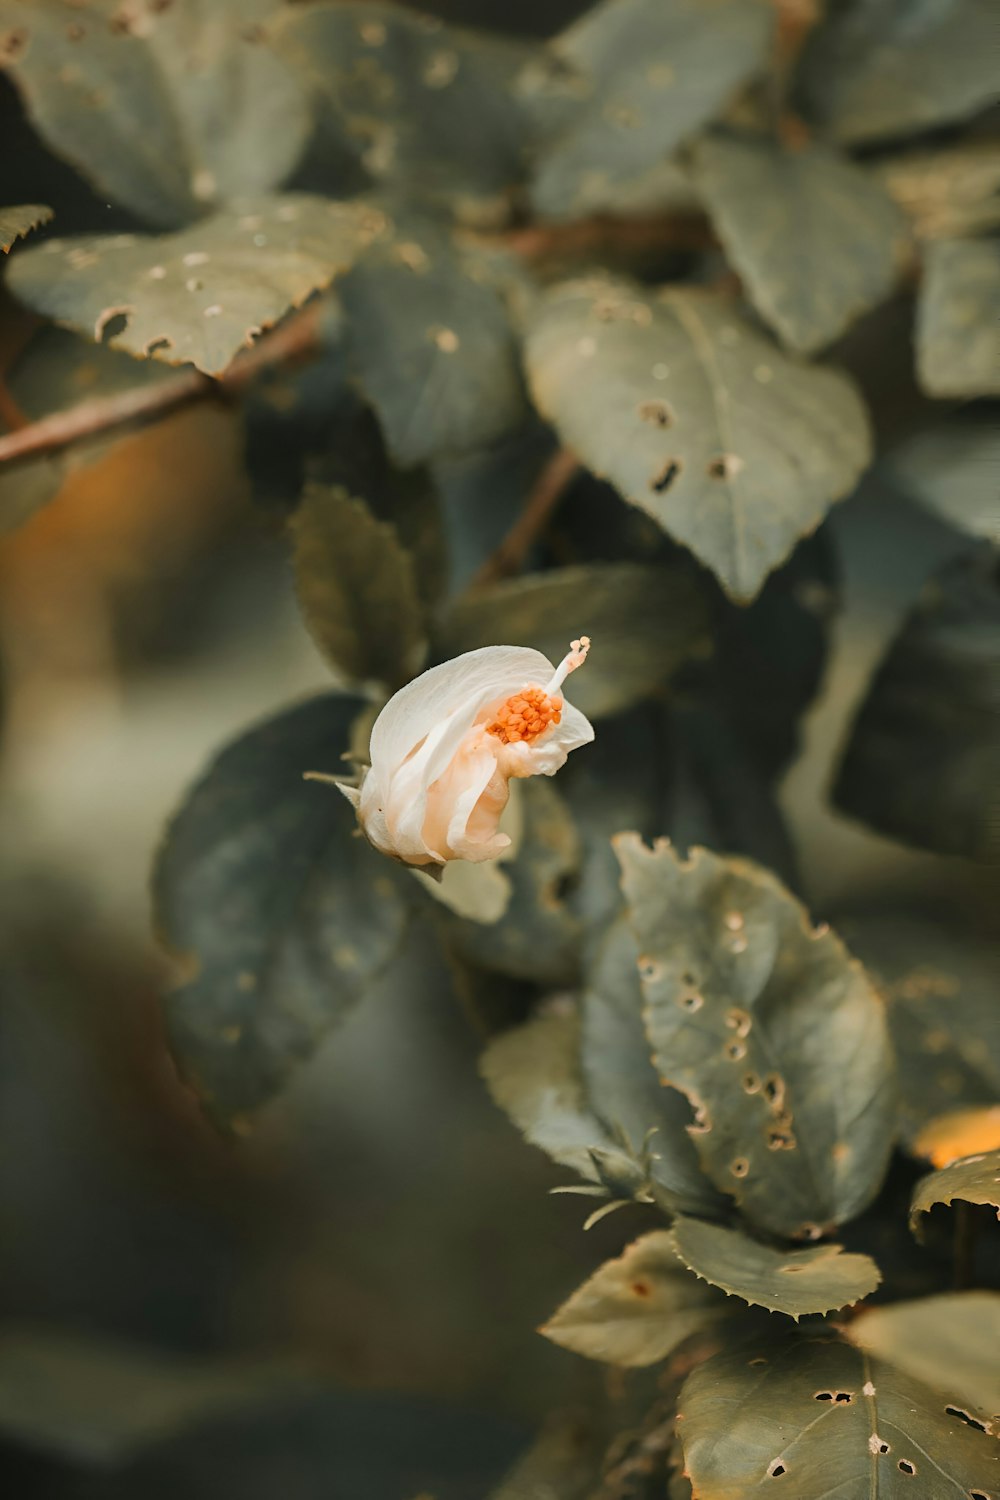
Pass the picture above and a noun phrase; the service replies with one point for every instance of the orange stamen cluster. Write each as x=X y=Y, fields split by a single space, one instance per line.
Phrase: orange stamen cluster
x=525 y=716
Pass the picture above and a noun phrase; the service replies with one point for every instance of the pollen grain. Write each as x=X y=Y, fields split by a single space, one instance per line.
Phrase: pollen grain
x=525 y=716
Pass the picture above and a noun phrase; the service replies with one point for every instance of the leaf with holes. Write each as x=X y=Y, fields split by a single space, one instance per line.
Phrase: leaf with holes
x=950 y=1341
x=533 y=1074
x=645 y=623
x=537 y=937
x=424 y=106
x=279 y=916
x=637 y=1309
x=973 y=1179
x=949 y=468
x=55 y=371
x=733 y=447
x=20 y=219
x=816 y=240
x=203 y=294
x=636 y=77
x=357 y=588
x=433 y=348
x=169 y=109
x=818 y=1280
x=939 y=985
x=771 y=1029
x=622 y=1085
x=872 y=71
x=921 y=761
x=957 y=319
x=808 y=1417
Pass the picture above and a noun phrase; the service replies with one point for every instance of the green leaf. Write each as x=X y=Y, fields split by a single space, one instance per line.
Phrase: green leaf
x=921 y=762
x=894 y=68
x=815 y=238
x=20 y=219
x=643 y=621
x=280 y=916
x=949 y=1341
x=818 y=1280
x=424 y=107
x=203 y=294
x=940 y=986
x=533 y=1074
x=732 y=446
x=771 y=1029
x=950 y=468
x=974 y=1179
x=622 y=1084
x=433 y=347
x=957 y=319
x=822 y=1418
x=169 y=109
x=538 y=936
x=650 y=73
x=636 y=1309
x=355 y=459
x=357 y=588
x=94 y=1401
x=55 y=371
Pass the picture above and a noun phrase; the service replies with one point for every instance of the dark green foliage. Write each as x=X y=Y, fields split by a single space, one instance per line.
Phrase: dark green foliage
x=556 y=379
x=959 y=311
x=974 y=1179
x=883 y=68
x=949 y=468
x=171 y=111
x=795 y=1282
x=816 y=240
x=278 y=917
x=428 y=110
x=940 y=989
x=814 y=1412
x=956 y=1334
x=772 y=1031
x=639 y=385
x=202 y=294
x=924 y=754
x=637 y=1309
x=646 y=621
x=628 y=82
x=433 y=347
x=357 y=588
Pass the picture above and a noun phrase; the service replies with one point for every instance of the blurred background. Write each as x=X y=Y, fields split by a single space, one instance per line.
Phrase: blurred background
x=343 y=1302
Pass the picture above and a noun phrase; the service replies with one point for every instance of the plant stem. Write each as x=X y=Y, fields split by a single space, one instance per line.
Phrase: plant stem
x=548 y=489
x=292 y=340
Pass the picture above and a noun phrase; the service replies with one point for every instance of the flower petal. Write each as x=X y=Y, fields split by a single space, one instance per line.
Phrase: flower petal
x=416 y=709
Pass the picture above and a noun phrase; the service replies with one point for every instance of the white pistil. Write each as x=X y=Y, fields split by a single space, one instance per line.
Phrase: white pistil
x=574 y=658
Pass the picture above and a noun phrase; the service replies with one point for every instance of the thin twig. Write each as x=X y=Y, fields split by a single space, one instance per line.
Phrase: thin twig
x=604 y=233
x=548 y=490
x=293 y=340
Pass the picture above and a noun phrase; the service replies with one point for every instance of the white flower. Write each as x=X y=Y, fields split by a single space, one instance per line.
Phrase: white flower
x=445 y=747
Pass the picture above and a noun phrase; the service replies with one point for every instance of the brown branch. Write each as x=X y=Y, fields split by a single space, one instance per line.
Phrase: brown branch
x=291 y=341
x=548 y=490
x=603 y=234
